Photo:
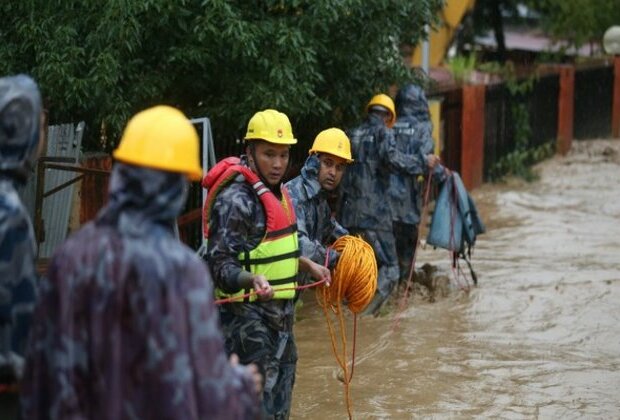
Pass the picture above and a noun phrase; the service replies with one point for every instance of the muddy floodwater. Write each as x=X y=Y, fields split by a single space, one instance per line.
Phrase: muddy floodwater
x=538 y=338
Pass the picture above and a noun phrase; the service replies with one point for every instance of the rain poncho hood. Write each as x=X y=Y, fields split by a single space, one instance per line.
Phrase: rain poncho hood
x=20 y=113
x=310 y=176
x=411 y=102
x=140 y=197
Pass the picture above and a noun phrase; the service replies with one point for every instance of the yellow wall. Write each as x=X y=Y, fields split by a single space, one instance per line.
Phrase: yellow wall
x=434 y=106
x=440 y=38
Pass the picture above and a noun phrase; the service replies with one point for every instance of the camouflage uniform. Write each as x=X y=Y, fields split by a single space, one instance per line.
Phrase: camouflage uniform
x=126 y=326
x=413 y=131
x=259 y=332
x=364 y=206
x=315 y=224
x=20 y=111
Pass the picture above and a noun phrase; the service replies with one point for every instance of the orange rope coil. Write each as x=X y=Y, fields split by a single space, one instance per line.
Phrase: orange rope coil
x=354 y=281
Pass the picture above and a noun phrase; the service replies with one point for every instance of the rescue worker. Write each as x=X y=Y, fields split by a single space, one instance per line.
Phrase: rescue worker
x=413 y=131
x=126 y=326
x=252 y=245
x=321 y=175
x=364 y=206
x=20 y=144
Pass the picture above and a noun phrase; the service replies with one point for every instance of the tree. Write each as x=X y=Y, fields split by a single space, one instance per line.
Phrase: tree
x=579 y=22
x=317 y=60
x=489 y=14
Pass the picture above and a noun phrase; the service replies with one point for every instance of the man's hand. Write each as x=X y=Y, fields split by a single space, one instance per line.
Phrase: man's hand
x=250 y=371
x=432 y=161
x=262 y=287
x=316 y=271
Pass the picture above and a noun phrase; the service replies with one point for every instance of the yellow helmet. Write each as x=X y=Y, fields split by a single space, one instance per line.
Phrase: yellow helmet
x=271 y=126
x=386 y=102
x=163 y=138
x=333 y=141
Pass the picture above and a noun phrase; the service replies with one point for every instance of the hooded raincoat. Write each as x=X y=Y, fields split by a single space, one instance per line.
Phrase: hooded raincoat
x=126 y=326
x=316 y=225
x=365 y=205
x=413 y=131
x=20 y=113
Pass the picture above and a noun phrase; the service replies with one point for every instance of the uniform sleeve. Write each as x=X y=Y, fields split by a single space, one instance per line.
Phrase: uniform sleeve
x=231 y=229
x=394 y=159
x=337 y=230
x=422 y=134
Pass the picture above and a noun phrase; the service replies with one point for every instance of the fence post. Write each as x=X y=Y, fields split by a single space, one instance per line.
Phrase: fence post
x=615 y=110
x=472 y=135
x=566 y=109
x=94 y=192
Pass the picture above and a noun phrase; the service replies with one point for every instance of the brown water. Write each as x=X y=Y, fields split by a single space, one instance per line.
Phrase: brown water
x=538 y=338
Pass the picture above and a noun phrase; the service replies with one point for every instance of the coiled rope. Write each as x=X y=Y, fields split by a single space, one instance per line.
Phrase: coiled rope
x=354 y=281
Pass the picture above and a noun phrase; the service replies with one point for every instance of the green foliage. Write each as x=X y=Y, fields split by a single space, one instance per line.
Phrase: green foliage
x=578 y=21
x=103 y=60
x=461 y=67
x=518 y=162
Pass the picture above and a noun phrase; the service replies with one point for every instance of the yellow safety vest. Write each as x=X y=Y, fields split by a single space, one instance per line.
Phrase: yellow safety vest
x=277 y=255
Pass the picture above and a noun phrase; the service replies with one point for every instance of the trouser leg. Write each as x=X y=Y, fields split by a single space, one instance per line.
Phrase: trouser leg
x=275 y=354
x=406 y=237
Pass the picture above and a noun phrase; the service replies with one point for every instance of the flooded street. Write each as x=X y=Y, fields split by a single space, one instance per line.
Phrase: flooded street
x=538 y=338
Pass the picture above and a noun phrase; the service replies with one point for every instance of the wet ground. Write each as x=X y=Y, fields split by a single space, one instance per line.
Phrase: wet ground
x=538 y=338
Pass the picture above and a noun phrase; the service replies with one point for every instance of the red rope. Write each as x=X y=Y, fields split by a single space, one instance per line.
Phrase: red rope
x=253 y=293
x=405 y=297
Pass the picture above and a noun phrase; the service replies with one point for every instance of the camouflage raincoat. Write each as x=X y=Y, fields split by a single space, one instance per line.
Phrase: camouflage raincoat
x=365 y=205
x=413 y=131
x=126 y=327
x=259 y=332
x=20 y=112
x=315 y=224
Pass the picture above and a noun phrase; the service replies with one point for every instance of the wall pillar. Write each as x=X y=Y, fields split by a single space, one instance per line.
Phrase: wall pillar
x=566 y=109
x=472 y=136
x=615 y=110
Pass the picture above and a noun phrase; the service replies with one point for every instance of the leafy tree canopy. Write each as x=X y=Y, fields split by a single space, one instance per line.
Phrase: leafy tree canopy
x=578 y=21
x=319 y=61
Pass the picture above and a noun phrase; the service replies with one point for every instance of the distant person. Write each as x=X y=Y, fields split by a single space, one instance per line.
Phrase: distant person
x=126 y=326
x=320 y=176
x=365 y=205
x=413 y=131
x=253 y=251
x=20 y=144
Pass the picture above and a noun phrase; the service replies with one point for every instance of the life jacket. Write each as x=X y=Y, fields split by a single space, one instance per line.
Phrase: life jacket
x=276 y=256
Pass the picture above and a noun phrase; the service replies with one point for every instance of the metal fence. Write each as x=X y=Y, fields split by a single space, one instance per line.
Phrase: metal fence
x=500 y=126
x=593 y=101
x=190 y=222
x=56 y=186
